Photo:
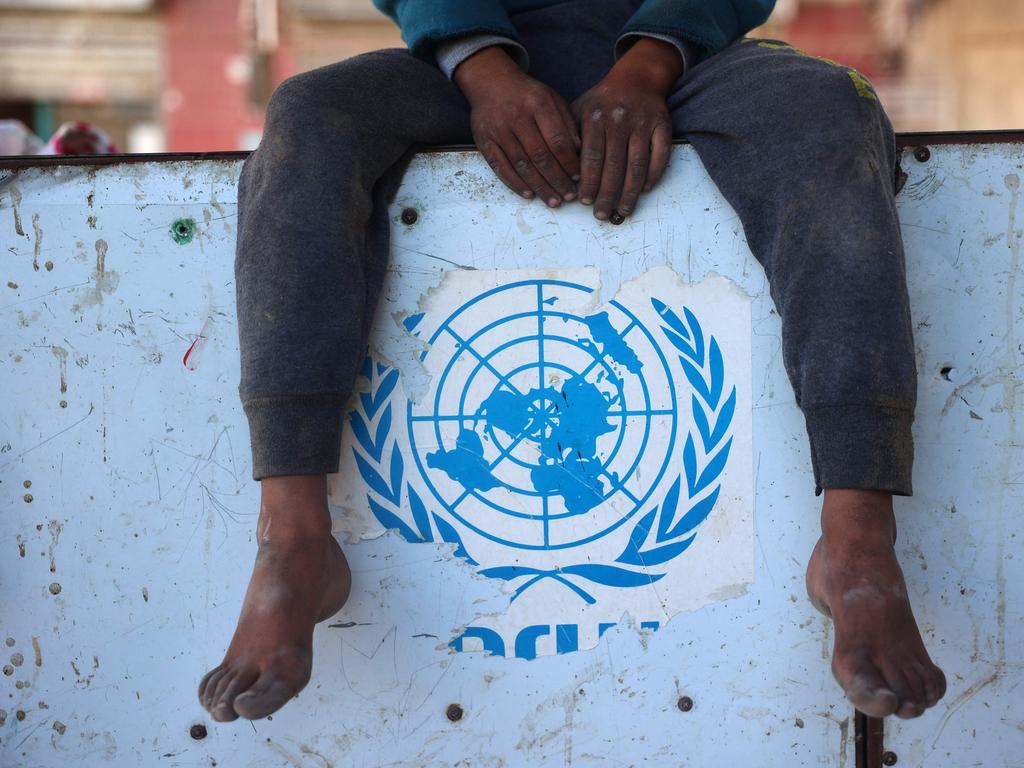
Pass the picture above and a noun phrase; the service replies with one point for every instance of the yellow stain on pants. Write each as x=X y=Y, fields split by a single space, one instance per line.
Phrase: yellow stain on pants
x=860 y=82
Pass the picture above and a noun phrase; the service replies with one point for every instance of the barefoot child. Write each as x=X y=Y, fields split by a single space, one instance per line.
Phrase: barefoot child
x=578 y=100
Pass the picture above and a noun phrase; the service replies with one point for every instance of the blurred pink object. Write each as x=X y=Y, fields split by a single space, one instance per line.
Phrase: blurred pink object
x=17 y=139
x=78 y=138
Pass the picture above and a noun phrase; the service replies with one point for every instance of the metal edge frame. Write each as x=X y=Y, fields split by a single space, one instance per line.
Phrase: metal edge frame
x=869 y=738
x=21 y=162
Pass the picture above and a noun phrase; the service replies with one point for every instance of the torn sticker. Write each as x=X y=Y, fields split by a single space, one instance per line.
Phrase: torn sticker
x=594 y=458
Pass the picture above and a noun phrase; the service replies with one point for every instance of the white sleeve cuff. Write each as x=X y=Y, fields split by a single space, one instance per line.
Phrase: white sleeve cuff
x=685 y=48
x=451 y=53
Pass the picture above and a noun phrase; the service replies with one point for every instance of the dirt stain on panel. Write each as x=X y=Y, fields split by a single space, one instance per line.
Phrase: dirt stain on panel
x=55 y=528
x=15 y=202
x=62 y=355
x=104 y=281
x=37 y=246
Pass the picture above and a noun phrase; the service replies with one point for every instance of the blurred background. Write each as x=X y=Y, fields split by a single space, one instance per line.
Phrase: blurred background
x=195 y=75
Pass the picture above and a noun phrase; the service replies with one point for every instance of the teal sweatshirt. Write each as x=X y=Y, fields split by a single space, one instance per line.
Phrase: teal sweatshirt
x=710 y=25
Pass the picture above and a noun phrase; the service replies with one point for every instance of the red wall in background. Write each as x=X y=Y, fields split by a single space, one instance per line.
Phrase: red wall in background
x=206 y=96
x=841 y=32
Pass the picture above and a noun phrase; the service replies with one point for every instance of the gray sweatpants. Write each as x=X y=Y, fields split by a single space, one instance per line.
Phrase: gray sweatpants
x=799 y=147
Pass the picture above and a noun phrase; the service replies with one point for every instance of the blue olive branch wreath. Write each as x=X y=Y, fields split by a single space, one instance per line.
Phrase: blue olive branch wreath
x=371 y=443
x=661 y=535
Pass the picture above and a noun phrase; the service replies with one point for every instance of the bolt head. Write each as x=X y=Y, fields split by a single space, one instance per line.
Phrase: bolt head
x=922 y=154
x=410 y=216
x=685 y=704
x=889 y=758
x=197 y=731
x=454 y=712
x=616 y=218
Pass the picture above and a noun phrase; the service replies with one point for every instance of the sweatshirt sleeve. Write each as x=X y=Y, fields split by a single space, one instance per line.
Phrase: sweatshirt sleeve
x=686 y=49
x=710 y=25
x=451 y=53
x=427 y=23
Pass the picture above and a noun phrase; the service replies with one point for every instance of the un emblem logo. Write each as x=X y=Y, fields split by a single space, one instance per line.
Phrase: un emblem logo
x=569 y=448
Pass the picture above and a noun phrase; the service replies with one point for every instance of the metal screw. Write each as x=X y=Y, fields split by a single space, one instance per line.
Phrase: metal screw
x=922 y=154
x=685 y=704
x=28 y=498
x=197 y=732
x=410 y=216
x=889 y=758
x=454 y=712
x=616 y=218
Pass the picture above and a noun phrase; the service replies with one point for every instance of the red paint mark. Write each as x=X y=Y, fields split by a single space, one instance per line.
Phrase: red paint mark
x=194 y=347
x=184 y=360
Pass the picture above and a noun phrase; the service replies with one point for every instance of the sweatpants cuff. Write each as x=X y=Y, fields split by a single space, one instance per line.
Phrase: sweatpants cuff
x=295 y=434
x=862 y=446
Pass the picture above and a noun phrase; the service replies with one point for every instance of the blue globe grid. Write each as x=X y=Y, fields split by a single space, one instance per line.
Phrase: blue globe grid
x=541 y=415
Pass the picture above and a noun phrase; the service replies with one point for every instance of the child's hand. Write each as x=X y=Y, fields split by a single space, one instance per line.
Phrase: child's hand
x=627 y=131
x=524 y=129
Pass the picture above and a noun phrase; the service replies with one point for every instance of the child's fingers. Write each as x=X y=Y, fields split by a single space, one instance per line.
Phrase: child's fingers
x=561 y=140
x=613 y=172
x=499 y=162
x=637 y=165
x=541 y=150
x=661 y=148
x=591 y=157
x=524 y=167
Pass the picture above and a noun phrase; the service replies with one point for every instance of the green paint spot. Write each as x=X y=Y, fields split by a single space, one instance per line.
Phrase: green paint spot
x=183 y=230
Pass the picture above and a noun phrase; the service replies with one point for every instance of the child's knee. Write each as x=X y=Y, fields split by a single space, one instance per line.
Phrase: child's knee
x=329 y=101
x=838 y=107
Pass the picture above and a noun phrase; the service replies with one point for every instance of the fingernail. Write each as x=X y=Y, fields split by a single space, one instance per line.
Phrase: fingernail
x=586 y=200
x=601 y=215
x=527 y=194
x=569 y=196
x=554 y=202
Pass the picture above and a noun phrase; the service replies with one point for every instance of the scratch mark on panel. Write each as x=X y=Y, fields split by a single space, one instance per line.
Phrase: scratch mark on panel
x=310 y=751
x=51 y=437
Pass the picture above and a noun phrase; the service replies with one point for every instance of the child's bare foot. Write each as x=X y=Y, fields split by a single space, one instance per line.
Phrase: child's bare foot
x=300 y=577
x=853 y=576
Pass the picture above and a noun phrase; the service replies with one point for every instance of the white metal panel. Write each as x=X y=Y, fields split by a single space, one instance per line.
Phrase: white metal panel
x=124 y=561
